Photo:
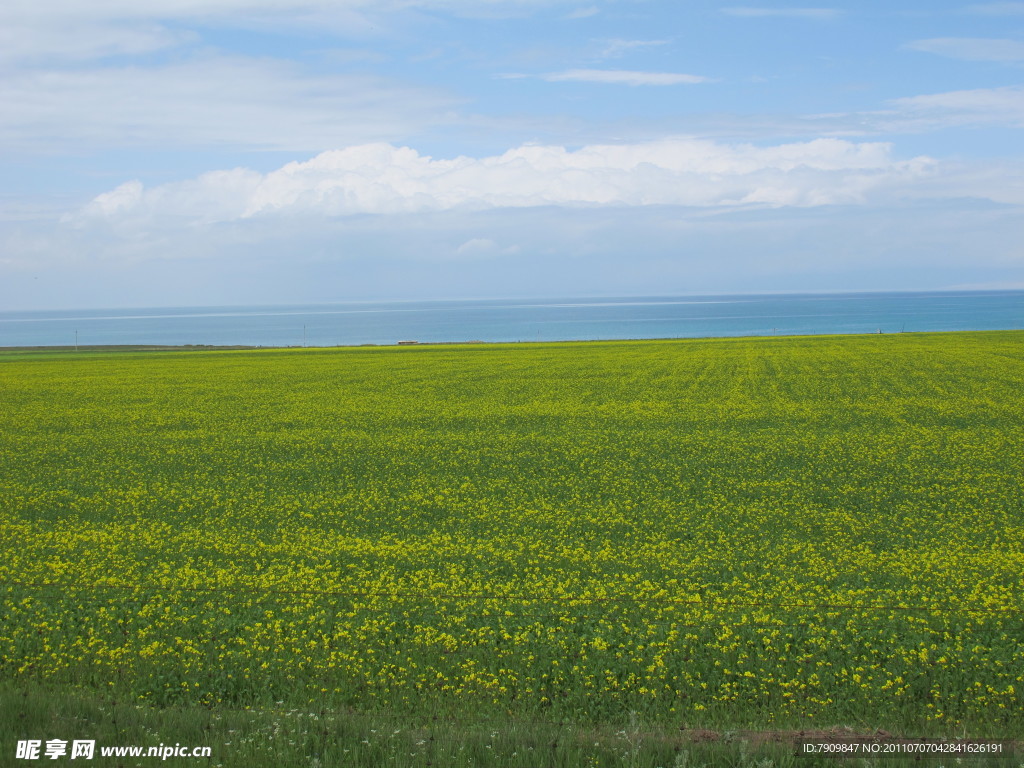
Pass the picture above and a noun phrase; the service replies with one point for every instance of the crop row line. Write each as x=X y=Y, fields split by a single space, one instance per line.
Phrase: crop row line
x=442 y=596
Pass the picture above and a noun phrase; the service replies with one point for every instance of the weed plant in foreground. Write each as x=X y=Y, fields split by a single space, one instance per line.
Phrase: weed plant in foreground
x=718 y=536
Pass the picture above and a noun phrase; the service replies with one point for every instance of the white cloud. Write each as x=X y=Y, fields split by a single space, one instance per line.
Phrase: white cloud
x=972 y=48
x=477 y=245
x=623 y=77
x=123 y=198
x=229 y=101
x=793 y=13
x=384 y=179
x=583 y=13
x=483 y=248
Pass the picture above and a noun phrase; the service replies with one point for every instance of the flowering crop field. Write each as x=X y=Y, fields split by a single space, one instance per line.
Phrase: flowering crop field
x=751 y=533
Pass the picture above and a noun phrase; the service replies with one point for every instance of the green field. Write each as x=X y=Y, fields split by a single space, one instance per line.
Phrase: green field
x=634 y=541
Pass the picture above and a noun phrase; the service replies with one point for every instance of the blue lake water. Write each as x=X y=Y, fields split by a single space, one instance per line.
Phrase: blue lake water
x=521 y=320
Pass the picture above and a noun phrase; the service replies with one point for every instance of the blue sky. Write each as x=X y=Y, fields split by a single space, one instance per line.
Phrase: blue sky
x=178 y=152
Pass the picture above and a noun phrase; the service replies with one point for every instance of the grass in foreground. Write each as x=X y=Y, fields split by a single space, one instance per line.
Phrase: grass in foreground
x=721 y=535
x=283 y=738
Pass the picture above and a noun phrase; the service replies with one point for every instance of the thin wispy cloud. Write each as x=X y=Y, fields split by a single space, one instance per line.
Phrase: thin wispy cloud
x=980 y=106
x=792 y=13
x=623 y=77
x=64 y=30
x=260 y=104
x=997 y=9
x=926 y=113
x=68 y=29
x=972 y=48
x=616 y=48
x=69 y=43
x=167 y=9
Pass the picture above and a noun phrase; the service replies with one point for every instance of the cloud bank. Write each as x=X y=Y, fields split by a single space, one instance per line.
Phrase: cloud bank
x=385 y=179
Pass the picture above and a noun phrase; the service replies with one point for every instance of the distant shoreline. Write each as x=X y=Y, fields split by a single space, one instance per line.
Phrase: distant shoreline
x=225 y=347
x=83 y=348
x=128 y=348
